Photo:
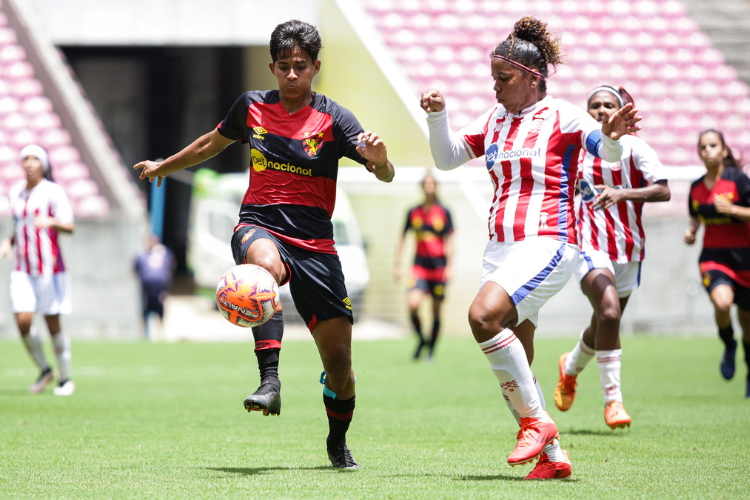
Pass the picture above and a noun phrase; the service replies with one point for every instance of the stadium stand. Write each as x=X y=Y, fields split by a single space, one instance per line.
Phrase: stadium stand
x=35 y=108
x=653 y=48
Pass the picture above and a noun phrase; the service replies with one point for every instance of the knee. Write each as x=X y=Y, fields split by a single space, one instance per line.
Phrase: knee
x=722 y=306
x=609 y=315
x=482 y=320
x=271 y=265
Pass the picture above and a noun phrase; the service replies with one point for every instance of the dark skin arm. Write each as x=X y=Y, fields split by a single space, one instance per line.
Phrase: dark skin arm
x=659 y=191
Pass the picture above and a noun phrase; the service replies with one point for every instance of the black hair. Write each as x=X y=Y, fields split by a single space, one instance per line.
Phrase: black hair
x=295 y=34
x=730 y=160
x=533 y=46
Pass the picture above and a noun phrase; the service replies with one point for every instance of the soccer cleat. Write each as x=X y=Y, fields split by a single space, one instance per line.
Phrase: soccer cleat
x=422 y=344
x=534 y=435
x=341 y=457
x=545 y=469
x=616 y=416
x=45 y=378
x=266 y=399
x=66 y=388
x=727 y=361
x=565 y=390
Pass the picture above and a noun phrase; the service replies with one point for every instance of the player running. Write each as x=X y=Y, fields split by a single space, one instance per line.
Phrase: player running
x=296 y=139
x=433 y=229
x=720 y=200
x=531 y=143
x=612 y=248
x=38 y=281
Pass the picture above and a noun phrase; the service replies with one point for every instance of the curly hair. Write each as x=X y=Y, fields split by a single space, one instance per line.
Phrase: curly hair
x=533 y=46
x=730 y=160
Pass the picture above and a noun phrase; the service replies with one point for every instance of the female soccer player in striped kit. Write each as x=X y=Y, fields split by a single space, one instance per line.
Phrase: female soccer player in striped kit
x=531 y=143
x=612 y=248
x=38 y=280
x=720 y=200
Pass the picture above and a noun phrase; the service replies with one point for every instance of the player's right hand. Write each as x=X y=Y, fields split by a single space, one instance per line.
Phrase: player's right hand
x=149 y=171
x=432 y=101
x=689 y=237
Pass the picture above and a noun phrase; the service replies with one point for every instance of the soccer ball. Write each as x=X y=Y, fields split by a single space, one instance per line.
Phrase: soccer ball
x=247 y=295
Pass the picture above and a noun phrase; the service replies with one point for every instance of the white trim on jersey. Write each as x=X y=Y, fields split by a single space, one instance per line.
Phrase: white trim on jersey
x=37 y=251
x=618 y=231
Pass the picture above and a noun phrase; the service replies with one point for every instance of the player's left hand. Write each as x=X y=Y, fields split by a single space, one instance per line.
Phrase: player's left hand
x=609 y=196
x=622 y=122
x=723 y=206
x=371 y=147
x=149 y=171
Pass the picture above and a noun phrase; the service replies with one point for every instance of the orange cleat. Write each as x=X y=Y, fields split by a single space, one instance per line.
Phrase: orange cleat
x=551 y=470
x=565 y=390
x=616 y=416
x=534 y=435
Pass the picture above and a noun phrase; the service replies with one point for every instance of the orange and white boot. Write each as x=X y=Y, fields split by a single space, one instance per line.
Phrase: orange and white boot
x=616 y=416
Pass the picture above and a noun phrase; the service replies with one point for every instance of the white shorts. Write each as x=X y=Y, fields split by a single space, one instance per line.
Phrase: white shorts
x=49 y=294
x=627 y=276
x=531 y=271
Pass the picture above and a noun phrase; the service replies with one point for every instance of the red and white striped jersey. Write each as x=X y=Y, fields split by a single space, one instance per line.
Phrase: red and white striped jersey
x=618 y=230
x=37 y=251
x=532 y=159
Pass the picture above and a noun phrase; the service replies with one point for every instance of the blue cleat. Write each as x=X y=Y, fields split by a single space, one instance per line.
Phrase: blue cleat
x=727 y=361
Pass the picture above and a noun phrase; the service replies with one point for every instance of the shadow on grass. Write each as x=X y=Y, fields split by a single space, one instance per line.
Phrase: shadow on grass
x=16 y=392
x=254 y=471
x=589 y=432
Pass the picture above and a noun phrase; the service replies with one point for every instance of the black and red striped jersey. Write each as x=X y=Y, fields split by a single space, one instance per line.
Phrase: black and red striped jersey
x=726 y=241
x=294 y=164
x=430 y=228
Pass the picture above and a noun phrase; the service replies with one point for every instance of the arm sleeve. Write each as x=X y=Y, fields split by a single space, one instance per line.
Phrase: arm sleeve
x=691 y=210
x=645 y=159
x=451 y=150
x=347 y=125
x=234 y=125
x=580 y=129
x=60 y=206
x=743 y=189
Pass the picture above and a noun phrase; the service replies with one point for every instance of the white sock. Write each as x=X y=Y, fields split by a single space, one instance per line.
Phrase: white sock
x=578 y=358
x=34 y=346
x=553 y=450
x=609 y=373
x=61 y=341
x=512 y=410
x=508 y=361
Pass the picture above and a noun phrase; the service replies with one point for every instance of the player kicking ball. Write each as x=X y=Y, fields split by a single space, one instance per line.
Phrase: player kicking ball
x=296 y=139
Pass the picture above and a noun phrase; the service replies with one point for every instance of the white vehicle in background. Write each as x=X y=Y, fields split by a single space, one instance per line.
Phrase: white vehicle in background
x=215 y=205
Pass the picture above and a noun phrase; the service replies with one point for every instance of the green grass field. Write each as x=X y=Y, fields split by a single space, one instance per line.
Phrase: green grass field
x=166 y=421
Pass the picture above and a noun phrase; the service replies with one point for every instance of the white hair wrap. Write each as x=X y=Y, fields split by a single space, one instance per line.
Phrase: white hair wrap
x=611 y=90
x=38 y=152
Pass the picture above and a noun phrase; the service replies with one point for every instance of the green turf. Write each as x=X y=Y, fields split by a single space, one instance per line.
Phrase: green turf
x=166 y=421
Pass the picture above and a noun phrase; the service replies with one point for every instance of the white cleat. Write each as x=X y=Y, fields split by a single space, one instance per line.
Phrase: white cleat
x=66 y=389
x=42 y=382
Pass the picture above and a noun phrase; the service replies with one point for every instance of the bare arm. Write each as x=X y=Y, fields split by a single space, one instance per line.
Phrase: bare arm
x=373 y=149
x=6 y=247
x=449 y=248
x=689 y=237
x=51 y=222
x=659 y=191
x=203 y=148
x=399 y=253
x=727 y=208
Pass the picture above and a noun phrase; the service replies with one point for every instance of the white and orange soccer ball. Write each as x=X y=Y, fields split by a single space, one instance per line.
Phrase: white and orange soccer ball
x=247 y=295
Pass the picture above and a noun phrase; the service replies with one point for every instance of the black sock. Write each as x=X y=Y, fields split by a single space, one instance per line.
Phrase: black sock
x=746 y=346
x=268 y=346
x=727 y=335
x=435 y=334
x=339 y=417
x=417 y=326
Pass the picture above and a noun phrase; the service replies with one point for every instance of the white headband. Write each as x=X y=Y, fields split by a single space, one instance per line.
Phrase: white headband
x=611 y=90
x=38 y=152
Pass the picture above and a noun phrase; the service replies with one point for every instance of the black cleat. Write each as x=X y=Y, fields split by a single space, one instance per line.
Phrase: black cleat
x=341 y=457
x=266 y=399
x=727 y=365
x=422 y=344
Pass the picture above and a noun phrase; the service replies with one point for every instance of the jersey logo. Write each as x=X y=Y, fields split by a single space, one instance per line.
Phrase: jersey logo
x=259 y=132
x=312 y=143
x=347 y=303
x=437 y=224
x=588 y=194
x=260 y=163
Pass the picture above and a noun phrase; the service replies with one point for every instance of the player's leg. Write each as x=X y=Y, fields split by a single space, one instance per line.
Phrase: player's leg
x=437 y=291
x=251 y=245
x=722 y=297
x=742 y=299
x=413 y=299
x=23 y=297
x=64 y=355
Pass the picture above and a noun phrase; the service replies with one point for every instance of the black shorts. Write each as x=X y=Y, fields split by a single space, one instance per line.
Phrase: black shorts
x=714 y=278
x=315 y=279
x=435 y=288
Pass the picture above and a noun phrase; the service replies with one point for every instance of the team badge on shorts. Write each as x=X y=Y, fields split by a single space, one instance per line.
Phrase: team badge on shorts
x=347 y=303
x=707 y=279
x=247 y=236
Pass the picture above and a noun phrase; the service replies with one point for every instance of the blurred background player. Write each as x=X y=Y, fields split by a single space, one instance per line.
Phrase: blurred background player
x=38 y=281
x=433 y=231
x=154 y=268
x=530 y=142
x=720 y=200
x=296 y=138
x=612 y=247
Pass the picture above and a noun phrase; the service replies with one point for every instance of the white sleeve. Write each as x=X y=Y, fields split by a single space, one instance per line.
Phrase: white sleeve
x=61 y=209
x=580 y=129
x=645 y=159
x=448 y=148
